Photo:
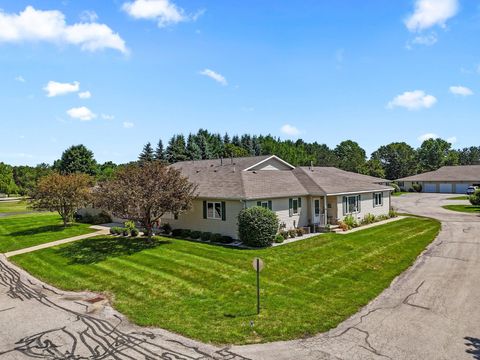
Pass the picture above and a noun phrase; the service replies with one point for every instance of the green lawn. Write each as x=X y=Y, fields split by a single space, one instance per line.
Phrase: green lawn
x=208 y=292
x=21 y=231
x=399 y=193
x=463 y=208
x=458 y=198
x=13 y=206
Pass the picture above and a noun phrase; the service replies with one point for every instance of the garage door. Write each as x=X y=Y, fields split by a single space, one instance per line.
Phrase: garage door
x=430 y=188
x=461 y=188
x=446 y=188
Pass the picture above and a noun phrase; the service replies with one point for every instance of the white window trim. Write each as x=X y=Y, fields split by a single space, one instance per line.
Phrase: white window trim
x=214 y=217
x=375 y=199
x=356 y=203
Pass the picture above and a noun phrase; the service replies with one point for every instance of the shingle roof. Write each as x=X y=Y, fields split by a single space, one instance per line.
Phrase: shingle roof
x=226 y=179
x=448 y=173
x=330 y=180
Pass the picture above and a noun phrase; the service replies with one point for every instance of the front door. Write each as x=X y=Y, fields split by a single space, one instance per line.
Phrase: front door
x=316 y=211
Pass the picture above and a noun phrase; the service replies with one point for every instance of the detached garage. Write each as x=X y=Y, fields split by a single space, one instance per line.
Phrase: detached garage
x=447 y=179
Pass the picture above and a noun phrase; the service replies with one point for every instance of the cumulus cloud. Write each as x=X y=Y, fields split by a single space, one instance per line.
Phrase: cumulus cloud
x=215 y=76
x=54 y=88
x=452 y=140
x=460 y=90
x=429 y=13
x=413 y=100
x=88 y=16
x=50 y=26
x=128 y=124
x=164 y=12
x=85 y=95
x=81 y=113
x=427 y=136
x=290 y=130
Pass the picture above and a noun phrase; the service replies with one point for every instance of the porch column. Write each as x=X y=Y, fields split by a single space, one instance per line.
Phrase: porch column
x=325 y=221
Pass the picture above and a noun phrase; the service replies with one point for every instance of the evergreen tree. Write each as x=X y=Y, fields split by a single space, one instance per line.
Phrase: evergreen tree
x=76 y=159
x=159 y=151
x=176 y=149
x=193 y=150
x=147 y=153
x=236 y=141
x=226 y=139
x=204 y=146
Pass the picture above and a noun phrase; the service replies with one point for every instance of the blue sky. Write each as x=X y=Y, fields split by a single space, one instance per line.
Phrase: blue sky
x=114 y=74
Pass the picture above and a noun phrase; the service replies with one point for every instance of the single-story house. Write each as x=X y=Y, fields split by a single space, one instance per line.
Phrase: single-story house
x=300 y=196
x=447 y=179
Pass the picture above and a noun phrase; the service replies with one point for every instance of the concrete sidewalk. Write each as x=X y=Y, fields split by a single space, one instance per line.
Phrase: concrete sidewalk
x=102 y=230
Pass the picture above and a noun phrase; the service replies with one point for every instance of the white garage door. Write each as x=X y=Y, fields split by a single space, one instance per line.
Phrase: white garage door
x=446 y=188
x=430 y=188
x=461 y=188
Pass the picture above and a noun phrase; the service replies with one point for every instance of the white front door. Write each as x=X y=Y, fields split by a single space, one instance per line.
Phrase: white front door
x=316 y=211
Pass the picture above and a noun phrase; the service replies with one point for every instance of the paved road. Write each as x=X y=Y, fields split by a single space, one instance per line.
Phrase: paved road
x=432 y=311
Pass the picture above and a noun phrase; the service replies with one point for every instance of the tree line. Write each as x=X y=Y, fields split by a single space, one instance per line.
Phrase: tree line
x=391 y=161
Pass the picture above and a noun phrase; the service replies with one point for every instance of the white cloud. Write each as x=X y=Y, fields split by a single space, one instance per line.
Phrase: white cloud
x=427 y=40
x=290 y=130
x=460 y=90
x=81 y=113
x=85 y=95
x=88 y=16
x=215 y=76
x=54 y=88
x=164 y=12
x=38 y=25
x=20 y=78
x=452 y=139
x=413 y=100
x=107 y=117
x=429 y=13
x=128 y=125
x=427 y=136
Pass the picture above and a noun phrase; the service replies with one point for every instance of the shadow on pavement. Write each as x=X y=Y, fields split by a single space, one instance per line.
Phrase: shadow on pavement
x=473 y=347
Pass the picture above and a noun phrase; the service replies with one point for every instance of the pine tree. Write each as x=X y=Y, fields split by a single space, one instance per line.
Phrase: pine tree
x=236 y=141
x=159 y=151
x=226 y=139
x=147 y=153
x=176 y=149
x=193 y=150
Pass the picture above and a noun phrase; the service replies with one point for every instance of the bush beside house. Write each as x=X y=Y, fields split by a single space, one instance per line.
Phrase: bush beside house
x=257 y=226
x=475 y=198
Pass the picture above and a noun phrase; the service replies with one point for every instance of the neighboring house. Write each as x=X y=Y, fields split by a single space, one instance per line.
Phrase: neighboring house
x=447 y=179
x=299 y=196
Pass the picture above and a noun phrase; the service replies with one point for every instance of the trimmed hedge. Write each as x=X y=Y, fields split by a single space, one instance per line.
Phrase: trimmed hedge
x=475 y=198
x=257 y=226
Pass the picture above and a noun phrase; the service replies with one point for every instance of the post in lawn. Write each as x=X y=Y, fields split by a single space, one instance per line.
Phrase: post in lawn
x=258 y=266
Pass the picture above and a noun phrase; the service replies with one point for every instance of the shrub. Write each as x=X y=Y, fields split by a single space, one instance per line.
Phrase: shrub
x=417 y=187
x=177 y=232
x=206 y=236
x=350 y=221
x=279 y=239
x=113 y=230
x=383 y=217
x=102 y=218
x=134 y=232
x=411 y=190
x=125 y=232
x=343 y=226
x=166 y=229
x=226 y=239
x=216 y=238
x=395 y=187
x=475 y=198
x=300 y=232
x=129 y=224
x=196 y=234
x=392 y=213
x=257 y=226
x=186 y=233
x=368 y=219
x=292 y=233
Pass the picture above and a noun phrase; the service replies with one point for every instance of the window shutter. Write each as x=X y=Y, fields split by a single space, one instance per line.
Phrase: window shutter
x=359 y=203
x=259 y=203
x=204 y=209
x=224 y=211
x=290 y=207
x=345 y=205
x=270 y=204
x=299 y=203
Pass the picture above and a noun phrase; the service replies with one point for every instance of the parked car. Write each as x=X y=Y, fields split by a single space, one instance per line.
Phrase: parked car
x=472 y=189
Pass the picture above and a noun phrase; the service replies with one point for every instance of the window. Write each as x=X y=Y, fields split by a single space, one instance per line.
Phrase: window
x=214 y=210
x=267 y=204
x=295 y=204
x=317 y=207
x=377 y=199
x=351 y=204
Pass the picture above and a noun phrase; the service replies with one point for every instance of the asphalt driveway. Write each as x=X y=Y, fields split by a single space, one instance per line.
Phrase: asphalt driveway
x=432 y=311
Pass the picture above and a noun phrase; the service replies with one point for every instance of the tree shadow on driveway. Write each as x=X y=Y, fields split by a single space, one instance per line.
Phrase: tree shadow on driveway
x=473 y=347
x=91 y=251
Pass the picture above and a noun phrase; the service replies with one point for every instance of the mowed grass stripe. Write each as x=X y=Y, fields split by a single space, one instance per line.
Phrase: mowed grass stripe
x=208 y=292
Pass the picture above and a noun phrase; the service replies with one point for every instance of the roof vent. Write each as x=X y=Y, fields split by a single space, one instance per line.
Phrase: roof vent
x=221 y=161
x=198 y=171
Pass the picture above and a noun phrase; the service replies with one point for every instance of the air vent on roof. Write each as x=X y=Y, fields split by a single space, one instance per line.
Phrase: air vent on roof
x=198 y=171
